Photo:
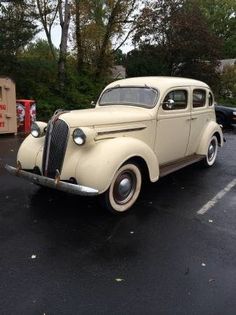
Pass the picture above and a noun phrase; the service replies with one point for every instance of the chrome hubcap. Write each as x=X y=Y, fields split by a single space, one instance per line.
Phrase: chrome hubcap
x=211 y=151
x=124 y=187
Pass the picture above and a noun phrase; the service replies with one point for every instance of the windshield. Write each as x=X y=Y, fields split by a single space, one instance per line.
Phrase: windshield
x=135 y=96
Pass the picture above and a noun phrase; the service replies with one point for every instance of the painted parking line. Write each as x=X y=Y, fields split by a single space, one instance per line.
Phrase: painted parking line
x=217 y=198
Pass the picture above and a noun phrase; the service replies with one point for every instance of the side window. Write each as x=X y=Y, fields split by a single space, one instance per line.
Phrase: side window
x=177 y=99
x=199 y=98
x=210 y=99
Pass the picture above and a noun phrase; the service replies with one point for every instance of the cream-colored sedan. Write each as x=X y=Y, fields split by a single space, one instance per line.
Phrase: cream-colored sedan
x=140 y=126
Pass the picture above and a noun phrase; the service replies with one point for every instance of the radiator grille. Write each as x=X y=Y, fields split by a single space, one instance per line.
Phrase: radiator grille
x=54 y=147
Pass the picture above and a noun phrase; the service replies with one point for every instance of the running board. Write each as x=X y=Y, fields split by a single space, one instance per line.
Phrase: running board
x=177 y=165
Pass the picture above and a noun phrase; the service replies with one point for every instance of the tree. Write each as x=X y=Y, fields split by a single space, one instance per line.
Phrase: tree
x=48 y=12
x=148 y=60
x=102 y=27
x=179 y=30
x=221 y=17
x=64 y=16
x=228 y=83
x=17 y=29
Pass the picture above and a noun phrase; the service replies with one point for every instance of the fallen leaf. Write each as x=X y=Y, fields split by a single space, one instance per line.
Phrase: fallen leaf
x=119 y=280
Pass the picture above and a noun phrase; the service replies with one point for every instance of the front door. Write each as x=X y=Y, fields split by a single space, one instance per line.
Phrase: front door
x=173 y=125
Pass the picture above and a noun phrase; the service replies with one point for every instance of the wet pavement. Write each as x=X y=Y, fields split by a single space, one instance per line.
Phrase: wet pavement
x=62 y=254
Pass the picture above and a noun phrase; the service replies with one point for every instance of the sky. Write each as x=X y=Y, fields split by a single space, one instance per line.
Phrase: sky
x=56 y=36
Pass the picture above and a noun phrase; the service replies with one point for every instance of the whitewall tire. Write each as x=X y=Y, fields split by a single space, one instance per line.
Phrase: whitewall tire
x=124 y=189
x=211 y=153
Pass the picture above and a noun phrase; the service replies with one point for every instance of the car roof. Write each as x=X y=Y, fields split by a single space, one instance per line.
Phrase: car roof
x=158 y=82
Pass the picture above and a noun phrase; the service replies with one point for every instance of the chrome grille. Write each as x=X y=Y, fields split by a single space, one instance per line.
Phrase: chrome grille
x=54 y=147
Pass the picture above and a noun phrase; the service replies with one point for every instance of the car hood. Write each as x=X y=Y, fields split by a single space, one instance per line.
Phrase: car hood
x=106 y=115
x=225 y=108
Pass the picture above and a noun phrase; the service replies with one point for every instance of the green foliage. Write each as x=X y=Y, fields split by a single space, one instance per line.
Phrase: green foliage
x=174 y=39
x=221 y=18
x=35 y=74
x=147 y=61
x=17 y=27
x=228 y=84
x=119 y=57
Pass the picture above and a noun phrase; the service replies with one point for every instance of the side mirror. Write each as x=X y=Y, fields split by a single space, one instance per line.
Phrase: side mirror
x=169 y=104
x=93 y=104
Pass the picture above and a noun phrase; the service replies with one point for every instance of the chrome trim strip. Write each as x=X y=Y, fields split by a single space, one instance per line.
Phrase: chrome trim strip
x=52 y=183
x=100 y=133
x=50 y=126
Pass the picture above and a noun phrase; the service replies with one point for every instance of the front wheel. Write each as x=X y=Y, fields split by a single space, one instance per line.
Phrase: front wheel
x=124 y=189
x=212 y=150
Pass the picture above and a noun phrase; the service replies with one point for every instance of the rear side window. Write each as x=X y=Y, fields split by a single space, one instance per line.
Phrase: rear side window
x=199 y=98
x=177 y=99
x=210 y=99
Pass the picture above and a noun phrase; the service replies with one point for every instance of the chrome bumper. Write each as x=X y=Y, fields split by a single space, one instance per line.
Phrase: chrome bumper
x=52 y=183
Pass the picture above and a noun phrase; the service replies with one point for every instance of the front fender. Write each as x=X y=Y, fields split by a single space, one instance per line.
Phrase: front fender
x=29 y=150
x=97 y=166
x=211 y=129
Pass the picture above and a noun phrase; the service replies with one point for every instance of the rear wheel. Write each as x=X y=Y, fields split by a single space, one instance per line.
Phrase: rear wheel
x=124 y=189
x=212 y=150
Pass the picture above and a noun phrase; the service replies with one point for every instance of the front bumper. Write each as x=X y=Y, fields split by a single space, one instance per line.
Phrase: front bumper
x=52 y=183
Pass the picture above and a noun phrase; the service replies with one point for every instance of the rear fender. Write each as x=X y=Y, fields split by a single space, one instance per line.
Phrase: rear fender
x=211 y=129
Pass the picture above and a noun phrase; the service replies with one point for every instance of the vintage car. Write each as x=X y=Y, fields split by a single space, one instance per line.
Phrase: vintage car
x=140 y=126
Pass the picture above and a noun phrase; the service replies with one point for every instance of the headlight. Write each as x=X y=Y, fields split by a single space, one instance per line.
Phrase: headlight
x=35 y=130
x=234 y=113
x=38 y=129
x=79 y=136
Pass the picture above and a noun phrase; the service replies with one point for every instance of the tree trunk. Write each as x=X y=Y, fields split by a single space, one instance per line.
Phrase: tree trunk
x=109 y=28
x=80 y=50
x=47 y=26
x=64 y=22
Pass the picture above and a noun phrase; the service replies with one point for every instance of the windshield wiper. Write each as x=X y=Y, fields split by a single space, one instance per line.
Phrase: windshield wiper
x=151 y=88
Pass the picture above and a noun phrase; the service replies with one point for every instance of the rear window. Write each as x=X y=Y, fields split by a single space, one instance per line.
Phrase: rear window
x=210 y=99
x=199 y=98
x=135 y=96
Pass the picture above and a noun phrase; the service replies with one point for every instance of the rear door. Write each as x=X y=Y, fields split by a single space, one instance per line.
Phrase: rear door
x=201 y=114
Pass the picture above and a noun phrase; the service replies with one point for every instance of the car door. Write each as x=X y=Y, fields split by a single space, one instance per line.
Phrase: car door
x=201 y=114
x=173 y=125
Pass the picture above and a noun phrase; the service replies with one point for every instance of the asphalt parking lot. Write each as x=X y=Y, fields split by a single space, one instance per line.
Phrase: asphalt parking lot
x=62 y=254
